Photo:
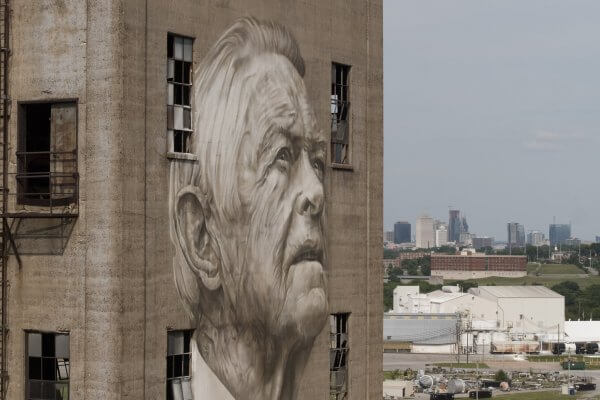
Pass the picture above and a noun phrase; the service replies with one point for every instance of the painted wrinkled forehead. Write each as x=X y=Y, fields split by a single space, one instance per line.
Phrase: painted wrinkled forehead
x=280 y=100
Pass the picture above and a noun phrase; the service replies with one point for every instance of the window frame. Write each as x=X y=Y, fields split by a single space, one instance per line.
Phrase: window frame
x=27 y=363
x=343 y=392
x=172 y=133
x=347 y=68
x=168 y=378
x=21 y=141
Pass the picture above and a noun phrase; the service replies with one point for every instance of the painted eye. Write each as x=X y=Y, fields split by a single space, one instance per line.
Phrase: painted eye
x=284 y=157
x=319 y=166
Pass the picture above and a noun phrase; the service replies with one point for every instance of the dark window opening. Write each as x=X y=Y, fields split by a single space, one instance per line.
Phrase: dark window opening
x=340 y=114
x=48 y=366
x=46 y=155
x=179 y=357
x=338 y=356
x=179 y=92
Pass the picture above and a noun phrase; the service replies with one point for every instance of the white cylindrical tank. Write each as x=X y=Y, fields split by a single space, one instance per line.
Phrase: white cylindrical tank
x=455 y=386
x=570 y=348
x=426 y=381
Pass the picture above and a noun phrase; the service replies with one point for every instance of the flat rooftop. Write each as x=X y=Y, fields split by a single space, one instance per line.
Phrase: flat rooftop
x=520 y=291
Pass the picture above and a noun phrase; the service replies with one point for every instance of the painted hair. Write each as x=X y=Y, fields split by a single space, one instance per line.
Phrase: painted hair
x=221 y=99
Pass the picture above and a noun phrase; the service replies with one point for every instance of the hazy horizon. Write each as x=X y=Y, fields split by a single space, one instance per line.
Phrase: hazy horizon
x=493 y=108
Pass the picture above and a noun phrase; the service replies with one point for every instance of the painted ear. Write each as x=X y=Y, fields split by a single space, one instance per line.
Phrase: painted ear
x=191 y=213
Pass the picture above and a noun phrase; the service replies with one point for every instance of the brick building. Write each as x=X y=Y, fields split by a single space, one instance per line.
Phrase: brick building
x=478 y=266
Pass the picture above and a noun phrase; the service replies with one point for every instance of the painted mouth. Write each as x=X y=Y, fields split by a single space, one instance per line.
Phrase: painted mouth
x=309 y=251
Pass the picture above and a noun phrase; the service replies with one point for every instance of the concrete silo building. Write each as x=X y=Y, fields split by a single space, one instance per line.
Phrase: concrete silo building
x=97 y=108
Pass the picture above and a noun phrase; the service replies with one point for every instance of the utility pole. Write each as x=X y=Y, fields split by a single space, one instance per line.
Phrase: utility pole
x=458 y=322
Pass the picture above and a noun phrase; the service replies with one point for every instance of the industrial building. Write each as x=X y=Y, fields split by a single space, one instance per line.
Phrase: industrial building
x=503 y=318
x=422 y=333
x=526 y=309
x=473 y=265
x=96 y=107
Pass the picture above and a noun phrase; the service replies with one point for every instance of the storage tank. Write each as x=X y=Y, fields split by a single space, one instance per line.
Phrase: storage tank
x=570 y=348
x=455 y=386
x=591 y=348
x=558 y=348
x=426 y=381
x=515 y=347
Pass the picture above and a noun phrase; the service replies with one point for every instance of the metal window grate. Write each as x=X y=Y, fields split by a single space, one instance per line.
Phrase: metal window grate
x=340 y=114
x=338 y=356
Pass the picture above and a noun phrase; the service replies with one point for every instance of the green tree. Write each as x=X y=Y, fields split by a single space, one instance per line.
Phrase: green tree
x=501 y=376
x=390 y=254
x=394 y=274
x=570 y=290
x=388 y=295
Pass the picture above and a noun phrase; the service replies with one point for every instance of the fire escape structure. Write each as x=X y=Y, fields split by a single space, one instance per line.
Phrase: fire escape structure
x=4 y=104
x=40 y=182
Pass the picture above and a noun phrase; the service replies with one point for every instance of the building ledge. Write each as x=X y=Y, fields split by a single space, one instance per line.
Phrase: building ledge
x=182 y=156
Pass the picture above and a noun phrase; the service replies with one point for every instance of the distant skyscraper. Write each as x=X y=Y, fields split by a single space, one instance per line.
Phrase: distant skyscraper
x=454 y=225
x=535 y=238
x=464 y=227
x=388 y=236
x=402 y=232
x=516 y=235
x=425 y=235
x=597 y=239
x=573 y=242
x=441 y=236
x=558 y=233
x=482 y=242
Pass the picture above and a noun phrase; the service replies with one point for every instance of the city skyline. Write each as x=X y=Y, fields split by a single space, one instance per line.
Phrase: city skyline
x=503 y=236
x=492 y=111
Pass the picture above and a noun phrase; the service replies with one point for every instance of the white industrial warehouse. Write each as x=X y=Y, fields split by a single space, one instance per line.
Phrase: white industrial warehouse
x=487 y=318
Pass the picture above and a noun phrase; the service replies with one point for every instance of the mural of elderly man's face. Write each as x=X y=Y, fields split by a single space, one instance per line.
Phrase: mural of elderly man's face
x=247 y=217
x=281 y=164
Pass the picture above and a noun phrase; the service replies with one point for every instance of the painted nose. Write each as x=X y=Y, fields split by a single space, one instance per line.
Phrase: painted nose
x=310 y=199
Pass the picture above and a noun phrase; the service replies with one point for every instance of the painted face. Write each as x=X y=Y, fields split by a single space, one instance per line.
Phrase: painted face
x=281 y=163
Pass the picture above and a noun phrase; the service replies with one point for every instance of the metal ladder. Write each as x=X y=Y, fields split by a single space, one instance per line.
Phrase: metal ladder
x=4 y=116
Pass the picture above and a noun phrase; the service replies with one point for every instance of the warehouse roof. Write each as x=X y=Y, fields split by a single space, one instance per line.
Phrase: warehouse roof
x=420 y=328
x=438 y=296
x=520 y=291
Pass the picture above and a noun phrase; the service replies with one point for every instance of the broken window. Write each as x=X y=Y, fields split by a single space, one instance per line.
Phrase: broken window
x=47 y=154
x=179 y=358
x=179 y=92
x=340 y=114
x=48 y=366
x=338 y=356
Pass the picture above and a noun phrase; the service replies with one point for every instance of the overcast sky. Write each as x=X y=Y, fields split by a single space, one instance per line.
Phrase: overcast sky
x=493 y=107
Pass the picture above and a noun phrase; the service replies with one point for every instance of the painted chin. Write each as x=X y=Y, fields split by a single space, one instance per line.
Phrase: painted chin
x=306 y=302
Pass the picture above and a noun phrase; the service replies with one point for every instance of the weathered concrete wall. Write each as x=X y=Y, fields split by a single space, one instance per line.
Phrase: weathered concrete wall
x=48 y=61
x=113 y=288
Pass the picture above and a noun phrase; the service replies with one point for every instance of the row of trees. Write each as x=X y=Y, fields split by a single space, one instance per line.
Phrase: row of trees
x=579 y=303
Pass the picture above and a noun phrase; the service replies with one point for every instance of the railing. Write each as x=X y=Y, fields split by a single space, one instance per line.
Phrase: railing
x=46 y=184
